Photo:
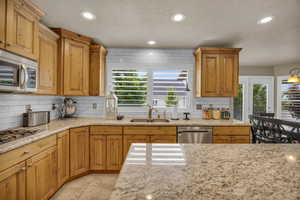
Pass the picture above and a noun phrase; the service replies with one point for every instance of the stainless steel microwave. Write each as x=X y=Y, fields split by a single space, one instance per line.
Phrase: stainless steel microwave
x=17 y=73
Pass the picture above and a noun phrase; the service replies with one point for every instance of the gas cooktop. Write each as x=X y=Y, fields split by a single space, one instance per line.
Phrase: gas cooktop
x=14 y=134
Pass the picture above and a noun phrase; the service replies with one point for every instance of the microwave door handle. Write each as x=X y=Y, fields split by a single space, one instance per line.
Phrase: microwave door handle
x=23 y=76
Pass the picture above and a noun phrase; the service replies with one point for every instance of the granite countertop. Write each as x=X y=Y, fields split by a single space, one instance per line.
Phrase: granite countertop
x=56 y=126
x=210 y=171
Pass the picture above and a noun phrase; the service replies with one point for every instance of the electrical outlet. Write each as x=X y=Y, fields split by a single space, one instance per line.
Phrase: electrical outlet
x=28 y=107
x=94 y=105
x=198 y=106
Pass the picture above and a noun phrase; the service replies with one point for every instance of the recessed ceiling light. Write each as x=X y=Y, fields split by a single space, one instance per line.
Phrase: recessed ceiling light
x=88 y=15
x=178 y=17
x=265 y=20
x=151 y=42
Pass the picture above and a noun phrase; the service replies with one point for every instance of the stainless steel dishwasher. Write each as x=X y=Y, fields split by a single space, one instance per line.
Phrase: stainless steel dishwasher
x=194 y=134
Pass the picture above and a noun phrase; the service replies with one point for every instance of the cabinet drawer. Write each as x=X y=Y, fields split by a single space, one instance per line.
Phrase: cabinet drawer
x=149 y=130
x=106 y=130
x=222 y=140
x=240 y=139
x=228 y=130
x=163 y=139
x=20 y=154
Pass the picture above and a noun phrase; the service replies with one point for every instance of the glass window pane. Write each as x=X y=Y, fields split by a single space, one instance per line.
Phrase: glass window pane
x=259 y=98
x=238 y=104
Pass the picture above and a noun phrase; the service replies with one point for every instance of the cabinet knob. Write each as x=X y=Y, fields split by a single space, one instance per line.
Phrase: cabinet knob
x=2 y=42
x=7 y=44
x=23 y=169
x=26 y=152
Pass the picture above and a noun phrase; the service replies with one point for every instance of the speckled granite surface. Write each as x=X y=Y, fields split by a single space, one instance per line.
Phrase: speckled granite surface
x=56 y=126
x=210 y=171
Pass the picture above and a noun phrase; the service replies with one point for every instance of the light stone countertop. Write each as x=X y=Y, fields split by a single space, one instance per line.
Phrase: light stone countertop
x=56 y=126
x=210 y=172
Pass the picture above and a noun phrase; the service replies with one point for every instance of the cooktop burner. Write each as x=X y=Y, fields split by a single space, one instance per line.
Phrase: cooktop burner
x=14 y=134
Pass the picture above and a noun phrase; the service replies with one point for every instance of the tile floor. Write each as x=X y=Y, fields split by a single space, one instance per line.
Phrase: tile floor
x=90 y=187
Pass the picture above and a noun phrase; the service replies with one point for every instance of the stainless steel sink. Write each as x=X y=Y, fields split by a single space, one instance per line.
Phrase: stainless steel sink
x=149 y=120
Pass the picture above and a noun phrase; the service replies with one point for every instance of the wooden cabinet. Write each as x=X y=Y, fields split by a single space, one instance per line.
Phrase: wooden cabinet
x=231 y=135
x=106 y=148
x=79 y=150
x=47 y=72
x=73 y=63
x=63 y=157
x=41 y=177
x=162 y=139
x=129 y=139
x=97 y=70
x=216 y=72
x=22 y=28
x=98 y=151
x=150 y=130
x=13 y=183
x=2 y=22
x=114 y=152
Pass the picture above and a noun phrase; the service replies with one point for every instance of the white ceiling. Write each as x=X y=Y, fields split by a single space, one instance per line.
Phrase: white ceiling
x=218 y=23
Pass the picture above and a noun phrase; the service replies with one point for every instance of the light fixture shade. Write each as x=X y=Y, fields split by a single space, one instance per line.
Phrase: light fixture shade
x=293 y=79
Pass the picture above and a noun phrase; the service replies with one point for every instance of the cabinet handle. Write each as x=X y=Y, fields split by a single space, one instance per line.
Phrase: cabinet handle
x=23 y=169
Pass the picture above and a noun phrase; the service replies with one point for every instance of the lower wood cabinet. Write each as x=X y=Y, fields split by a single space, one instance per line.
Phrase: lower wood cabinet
x=231 y=135
x=79 y=150
x=13 y=183
x=63 y=157
x=106 y=152
x=162 y=139
x=41 y=177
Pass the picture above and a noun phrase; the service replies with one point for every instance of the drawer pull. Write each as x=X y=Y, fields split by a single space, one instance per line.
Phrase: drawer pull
x=26 y=152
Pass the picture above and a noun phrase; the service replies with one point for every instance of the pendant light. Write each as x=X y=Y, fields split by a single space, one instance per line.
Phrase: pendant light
x=294 y=76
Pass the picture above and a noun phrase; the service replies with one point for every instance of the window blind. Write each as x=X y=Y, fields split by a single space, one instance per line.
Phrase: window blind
x=130 y=86
x=290 y=99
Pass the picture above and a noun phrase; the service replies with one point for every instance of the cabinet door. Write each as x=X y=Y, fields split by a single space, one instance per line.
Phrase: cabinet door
x=129 y=139
x=229 y=75
x=12 y=183
x=21 y=30
x=79 y=150
x=210 y=75
x=63 y=157
x=47 y=79
x=76 y=68
x=41 y=176
x=2 y=22
x=98 y=152
x=163 y=139
x=114 y=152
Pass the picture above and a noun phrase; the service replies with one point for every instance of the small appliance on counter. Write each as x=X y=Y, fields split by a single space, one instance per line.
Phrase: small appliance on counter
x=31 y=119
x=67 y=109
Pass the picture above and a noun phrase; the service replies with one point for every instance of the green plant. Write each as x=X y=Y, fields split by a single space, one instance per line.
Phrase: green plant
x=171 y=99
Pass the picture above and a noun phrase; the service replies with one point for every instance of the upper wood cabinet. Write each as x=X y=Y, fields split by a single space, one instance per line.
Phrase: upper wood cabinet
x=2 y=22
x=63 y=157
x=73 y=63
x=12 y=183
x=47 y=72
x=79 y=150
x=22 y=29
x=97 y=70
x=41 y=176
x=216 y=72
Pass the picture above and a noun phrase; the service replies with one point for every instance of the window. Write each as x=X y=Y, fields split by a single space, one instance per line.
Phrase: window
x=289 y=99
x=131 y=87
x=160 y=88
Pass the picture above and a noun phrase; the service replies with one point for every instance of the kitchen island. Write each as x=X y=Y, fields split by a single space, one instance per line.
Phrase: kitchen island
x=191 y=171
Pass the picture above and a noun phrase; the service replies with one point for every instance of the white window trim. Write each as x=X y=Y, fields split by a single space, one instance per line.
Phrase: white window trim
x=278 y=94
x=149 y=99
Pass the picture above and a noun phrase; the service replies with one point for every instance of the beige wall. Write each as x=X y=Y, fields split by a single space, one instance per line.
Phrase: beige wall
x=256 y=71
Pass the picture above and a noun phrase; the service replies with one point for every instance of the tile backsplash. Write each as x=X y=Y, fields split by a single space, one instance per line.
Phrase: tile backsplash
x=12 y=106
